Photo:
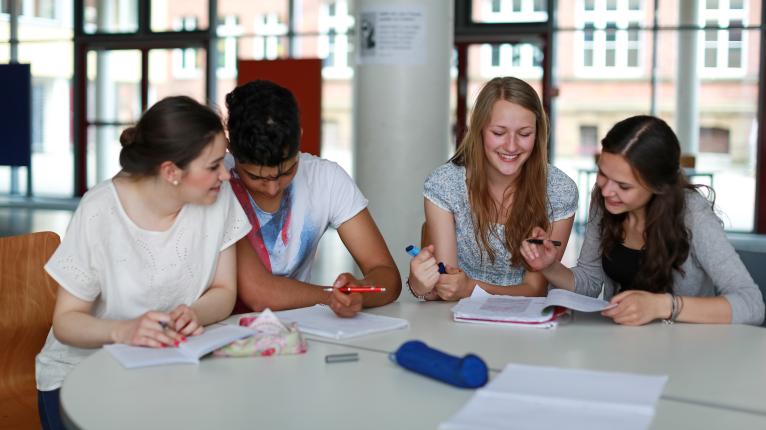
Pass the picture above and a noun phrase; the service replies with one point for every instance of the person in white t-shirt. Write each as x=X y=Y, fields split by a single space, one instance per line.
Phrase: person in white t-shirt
x=147 y=258
x=291 y=198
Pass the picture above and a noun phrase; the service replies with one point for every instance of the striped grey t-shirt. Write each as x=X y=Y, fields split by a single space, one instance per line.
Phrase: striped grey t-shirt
x=446 y=188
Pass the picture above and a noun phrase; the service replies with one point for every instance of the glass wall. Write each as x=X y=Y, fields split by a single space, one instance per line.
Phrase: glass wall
x=45 y=42
x=605 y=73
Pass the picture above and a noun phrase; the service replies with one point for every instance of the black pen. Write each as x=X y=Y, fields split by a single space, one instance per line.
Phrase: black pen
x=540 y=242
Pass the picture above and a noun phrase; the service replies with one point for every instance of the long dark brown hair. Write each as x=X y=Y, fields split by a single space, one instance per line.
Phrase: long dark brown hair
x=652 y=150
x=530 y=198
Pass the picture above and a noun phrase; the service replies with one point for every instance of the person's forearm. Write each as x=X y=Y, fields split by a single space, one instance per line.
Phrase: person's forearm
x=215 y=305
x=559 y=276
x=386 y=277
x=716 y=310
x=82 y=330
x=278 y=293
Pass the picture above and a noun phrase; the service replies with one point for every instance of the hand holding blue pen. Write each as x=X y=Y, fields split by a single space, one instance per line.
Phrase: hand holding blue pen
x=414 y=251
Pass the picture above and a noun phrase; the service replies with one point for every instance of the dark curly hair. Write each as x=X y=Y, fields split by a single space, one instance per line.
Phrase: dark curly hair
x=264 y=123
x=651 y=148
x=175 y=129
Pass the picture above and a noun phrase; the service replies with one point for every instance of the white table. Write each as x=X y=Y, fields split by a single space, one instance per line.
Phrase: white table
x=717 y=377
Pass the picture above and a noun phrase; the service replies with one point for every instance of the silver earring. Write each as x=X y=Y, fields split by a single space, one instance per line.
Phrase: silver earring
x=175 y=182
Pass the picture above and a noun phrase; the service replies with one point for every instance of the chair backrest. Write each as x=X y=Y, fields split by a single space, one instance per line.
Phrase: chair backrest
x=752 y=250
x=27 y=298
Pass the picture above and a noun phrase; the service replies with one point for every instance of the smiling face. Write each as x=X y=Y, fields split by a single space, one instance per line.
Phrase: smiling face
x=202 y=178
x=509 y=138
x=622 y=190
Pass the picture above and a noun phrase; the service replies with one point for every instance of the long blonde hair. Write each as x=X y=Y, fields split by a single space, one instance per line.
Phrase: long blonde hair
x=530 y=201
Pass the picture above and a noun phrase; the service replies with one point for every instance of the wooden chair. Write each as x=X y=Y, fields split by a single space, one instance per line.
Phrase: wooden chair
x=27 y=298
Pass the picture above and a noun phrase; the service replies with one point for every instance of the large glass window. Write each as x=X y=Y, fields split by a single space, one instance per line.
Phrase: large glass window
x=45 y=42
x=608 y=77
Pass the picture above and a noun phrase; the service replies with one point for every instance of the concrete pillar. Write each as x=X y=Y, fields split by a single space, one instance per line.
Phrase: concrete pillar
x=401 y=111
x=687 y=79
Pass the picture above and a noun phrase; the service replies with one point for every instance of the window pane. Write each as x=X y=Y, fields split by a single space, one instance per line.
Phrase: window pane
x=735 y=57
x=590 y=4
x=509 y=11
x=632 y=57
x=611 y=4
x=668 y=12
x=589 y=103
x=110 y=16
x=634 y=5
x=728 y=122
x=52 y=162
x=114 y=102
x=176 y=72
x=179 y=15
x=711 y=4
x=711 y=57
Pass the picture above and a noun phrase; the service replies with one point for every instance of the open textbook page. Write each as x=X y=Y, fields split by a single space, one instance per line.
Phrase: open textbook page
x=188 y=352
x=320 y=320
x=487 y=308
x=524 y=397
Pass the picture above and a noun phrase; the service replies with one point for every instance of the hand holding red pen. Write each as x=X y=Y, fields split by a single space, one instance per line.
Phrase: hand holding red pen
x=345 y=305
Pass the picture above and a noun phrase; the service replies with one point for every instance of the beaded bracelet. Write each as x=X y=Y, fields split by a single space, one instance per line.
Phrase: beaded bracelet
x=671 y=319
x=420 y=298
x=676 y=305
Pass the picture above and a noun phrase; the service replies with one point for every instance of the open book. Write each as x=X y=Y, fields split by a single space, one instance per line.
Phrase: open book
x=188 y=352
x=539 y=312
x=320 y=320
x=525 y=397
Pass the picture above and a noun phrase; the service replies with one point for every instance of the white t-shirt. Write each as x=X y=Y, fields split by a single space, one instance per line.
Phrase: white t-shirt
x=126 y=271
x=321 y=195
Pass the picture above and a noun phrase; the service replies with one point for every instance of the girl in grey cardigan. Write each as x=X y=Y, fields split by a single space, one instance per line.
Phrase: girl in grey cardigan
x=652 y=240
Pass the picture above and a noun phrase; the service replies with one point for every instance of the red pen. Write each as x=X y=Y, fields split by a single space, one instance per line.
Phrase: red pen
x=361 y=289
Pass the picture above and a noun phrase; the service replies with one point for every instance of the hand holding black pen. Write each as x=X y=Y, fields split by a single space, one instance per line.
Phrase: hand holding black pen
x=538 y=251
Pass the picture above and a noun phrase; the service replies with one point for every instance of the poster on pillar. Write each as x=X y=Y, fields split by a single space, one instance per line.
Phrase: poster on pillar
x=391 y=34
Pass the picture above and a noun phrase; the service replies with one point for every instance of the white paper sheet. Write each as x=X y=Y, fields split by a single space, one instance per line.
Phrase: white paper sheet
x=533 y=397
x=320 y=320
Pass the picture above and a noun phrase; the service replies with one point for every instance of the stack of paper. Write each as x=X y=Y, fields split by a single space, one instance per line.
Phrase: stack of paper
x=538 y=312
x=532 y=397
x=320 y=320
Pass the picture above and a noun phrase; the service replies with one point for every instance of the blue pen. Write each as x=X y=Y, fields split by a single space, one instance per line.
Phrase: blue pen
x=414 y=251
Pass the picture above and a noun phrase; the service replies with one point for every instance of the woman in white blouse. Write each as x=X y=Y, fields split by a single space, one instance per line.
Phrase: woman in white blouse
x=147 y=258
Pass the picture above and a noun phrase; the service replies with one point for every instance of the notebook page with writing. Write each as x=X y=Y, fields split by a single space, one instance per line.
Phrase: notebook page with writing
x=320 y=320
x=188 y=352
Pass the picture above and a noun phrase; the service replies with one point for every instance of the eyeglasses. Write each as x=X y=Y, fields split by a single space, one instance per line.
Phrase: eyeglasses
x=287 y=172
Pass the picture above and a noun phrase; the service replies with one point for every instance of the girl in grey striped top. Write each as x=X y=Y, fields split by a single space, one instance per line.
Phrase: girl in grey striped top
x=482 y=203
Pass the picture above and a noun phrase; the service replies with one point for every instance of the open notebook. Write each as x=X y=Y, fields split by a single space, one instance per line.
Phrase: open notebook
x=320 y=320
x=527 y=397
x=188 y=352
x=539 y=312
